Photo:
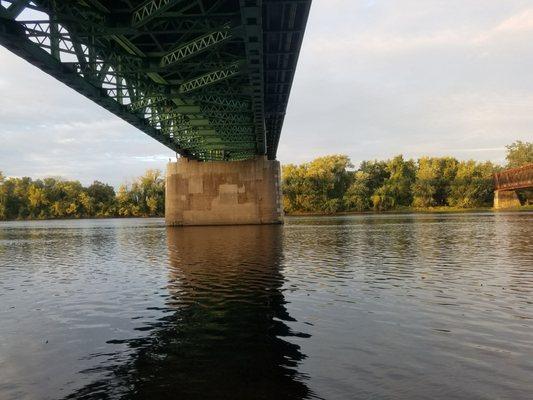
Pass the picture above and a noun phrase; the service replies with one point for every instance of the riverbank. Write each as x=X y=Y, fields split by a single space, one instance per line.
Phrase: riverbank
x=83 y=217
x=400 y=210
x=413 y=210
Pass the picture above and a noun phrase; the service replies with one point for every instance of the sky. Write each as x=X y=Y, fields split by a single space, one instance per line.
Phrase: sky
x=375 y=79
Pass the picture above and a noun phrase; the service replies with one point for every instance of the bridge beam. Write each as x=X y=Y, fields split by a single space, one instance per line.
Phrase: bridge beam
x=223 y=193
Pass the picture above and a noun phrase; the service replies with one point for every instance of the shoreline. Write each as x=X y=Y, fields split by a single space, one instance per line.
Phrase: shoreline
x=411 y=210
x=80 y=218
x=406 y=210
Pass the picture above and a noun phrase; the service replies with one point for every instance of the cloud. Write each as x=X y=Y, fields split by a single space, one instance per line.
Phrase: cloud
x=387 y=44
x=394 y=40
x=521 y=22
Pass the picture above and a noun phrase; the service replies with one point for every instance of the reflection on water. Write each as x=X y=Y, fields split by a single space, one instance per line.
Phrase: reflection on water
x=360 y=307
x=223 y=335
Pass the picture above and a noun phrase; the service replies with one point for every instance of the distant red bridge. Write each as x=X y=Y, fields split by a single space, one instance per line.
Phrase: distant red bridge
x=507 y=182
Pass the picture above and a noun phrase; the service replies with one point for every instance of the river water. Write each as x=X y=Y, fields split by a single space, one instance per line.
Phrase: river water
x=359 y=307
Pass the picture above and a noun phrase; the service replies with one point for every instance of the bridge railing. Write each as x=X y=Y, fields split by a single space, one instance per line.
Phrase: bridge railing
x=514 y=178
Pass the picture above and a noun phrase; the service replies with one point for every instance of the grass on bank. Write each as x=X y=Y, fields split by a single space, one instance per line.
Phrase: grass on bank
x=413 y=210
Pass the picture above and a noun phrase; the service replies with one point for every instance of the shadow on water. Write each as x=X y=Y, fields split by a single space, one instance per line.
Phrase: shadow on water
x=225 y=332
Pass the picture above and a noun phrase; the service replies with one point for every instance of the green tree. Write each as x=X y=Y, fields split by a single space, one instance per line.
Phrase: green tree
x=144 y=197
x=377 y=172
x=86 y=204
x=396 y=190
x=125 y=204
x=433 y=181
x=358 y=195
x=37 y=200
x=384 y=198
x=318 y=186
x=3 y=197
x=152 y=187
x=519 y=153
x=152 y=204
x=20 y=196
x=104 y=199
x=294 y=187
x=69 y=198
x=328 y=179
x=473 y=185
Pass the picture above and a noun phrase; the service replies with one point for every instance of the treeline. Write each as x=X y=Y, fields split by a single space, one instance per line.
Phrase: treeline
x=24 y=198
x=326 y=185
x=329 y=184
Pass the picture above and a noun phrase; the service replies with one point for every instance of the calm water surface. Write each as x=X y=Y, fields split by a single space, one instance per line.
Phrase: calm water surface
x=363 y=307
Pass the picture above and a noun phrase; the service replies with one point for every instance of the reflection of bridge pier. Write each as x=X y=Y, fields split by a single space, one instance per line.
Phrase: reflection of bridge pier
x=224 y=332
x=513 y=187
x=227 y=338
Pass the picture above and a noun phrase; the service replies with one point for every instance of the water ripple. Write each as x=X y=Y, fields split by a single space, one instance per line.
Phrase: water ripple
x=378 y=306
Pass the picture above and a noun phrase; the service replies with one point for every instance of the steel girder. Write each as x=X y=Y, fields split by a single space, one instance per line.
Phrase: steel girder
x=193 y=74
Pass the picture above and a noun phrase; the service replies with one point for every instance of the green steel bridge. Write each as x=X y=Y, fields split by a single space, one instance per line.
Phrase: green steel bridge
x=210 y=79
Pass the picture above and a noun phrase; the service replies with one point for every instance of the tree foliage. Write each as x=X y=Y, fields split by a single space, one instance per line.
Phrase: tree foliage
x=328 y=184
x=318 y=185
x=434 y=177
x=473 y=185
x=24 y=198
x=519 y=153
x=144 y=197
x=396 y=189
x=358 y=194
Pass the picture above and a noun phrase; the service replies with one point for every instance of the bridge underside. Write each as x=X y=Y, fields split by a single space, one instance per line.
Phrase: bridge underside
x=210 y=79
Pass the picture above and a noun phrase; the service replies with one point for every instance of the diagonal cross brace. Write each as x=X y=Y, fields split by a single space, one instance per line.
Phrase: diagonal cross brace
x=209 y=78
x=150 y=10
x=229 y=102
x=195 y=46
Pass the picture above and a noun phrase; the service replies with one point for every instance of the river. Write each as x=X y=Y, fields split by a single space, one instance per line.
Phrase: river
x=431 y=306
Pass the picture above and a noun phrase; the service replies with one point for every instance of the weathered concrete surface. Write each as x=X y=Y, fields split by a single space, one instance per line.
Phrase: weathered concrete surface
x=223 y=193
x=506 y=199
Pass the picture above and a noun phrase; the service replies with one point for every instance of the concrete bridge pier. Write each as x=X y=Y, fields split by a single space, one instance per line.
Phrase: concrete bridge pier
x=506 y=199
x=223 y=193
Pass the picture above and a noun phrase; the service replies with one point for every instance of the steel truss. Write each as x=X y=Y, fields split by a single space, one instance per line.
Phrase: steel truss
x=188 y=73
